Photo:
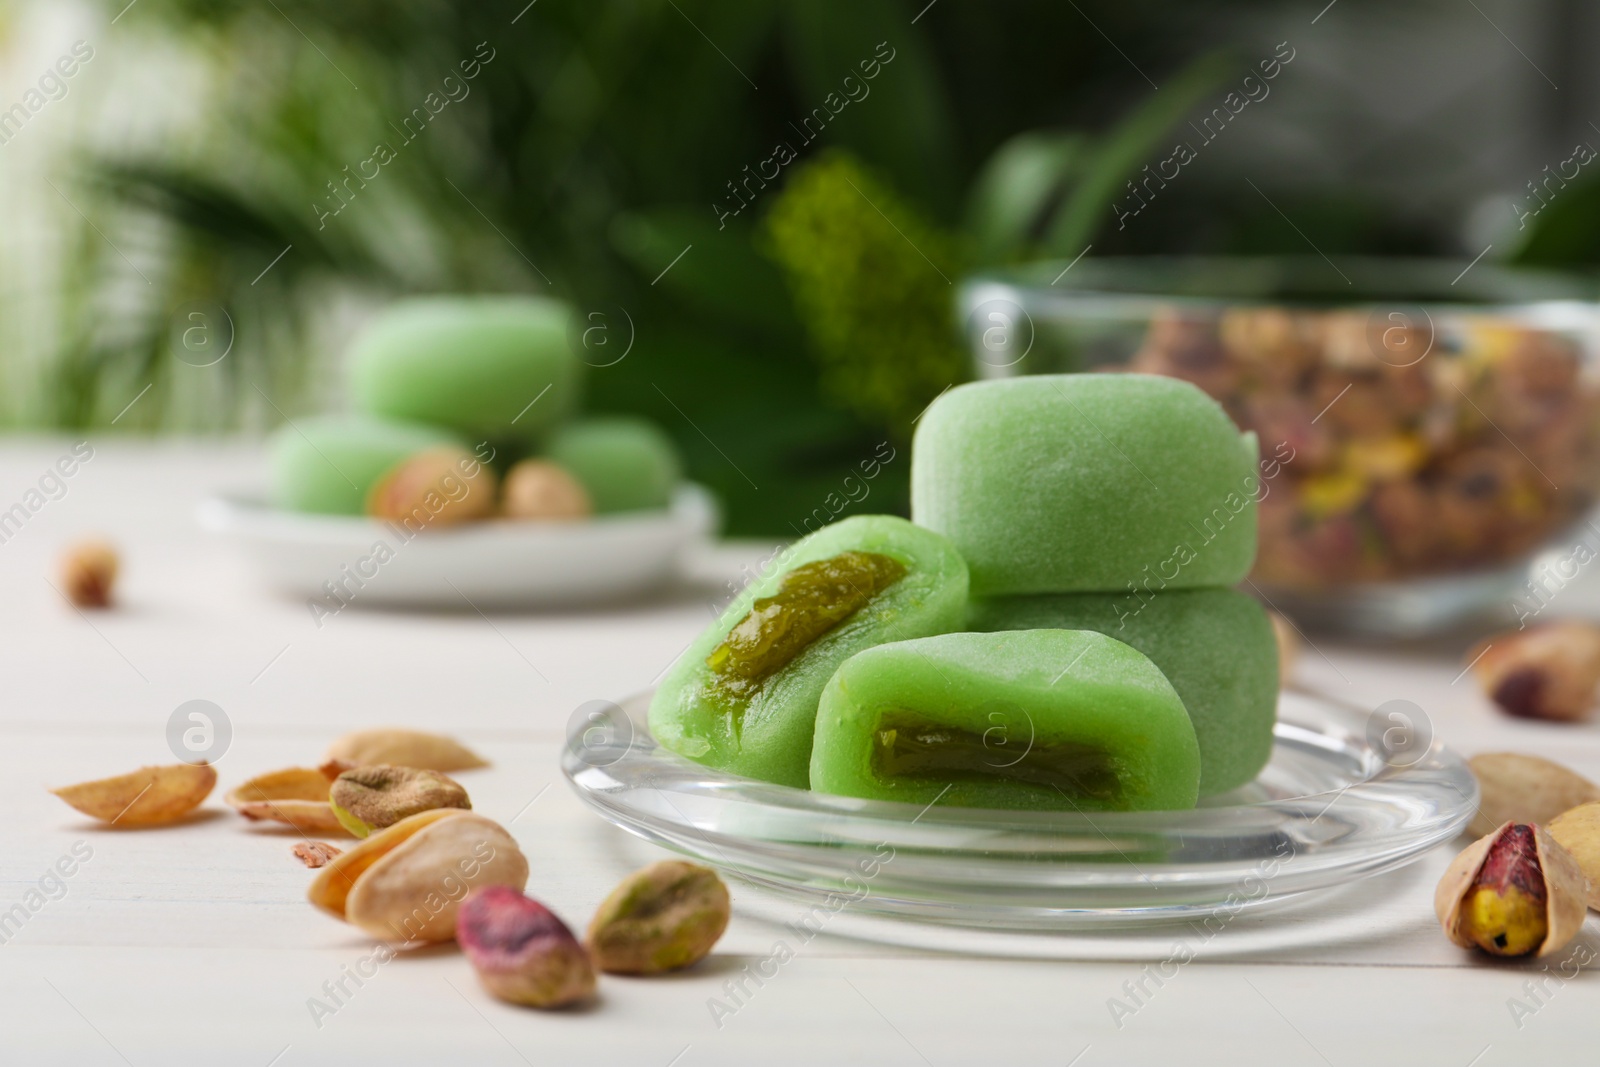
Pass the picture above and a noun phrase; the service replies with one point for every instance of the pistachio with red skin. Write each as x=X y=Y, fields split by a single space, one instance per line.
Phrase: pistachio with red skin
x=1549 y=671
x=1514 y=892
x=437 y=487
x=661 y=918
x=522 y=952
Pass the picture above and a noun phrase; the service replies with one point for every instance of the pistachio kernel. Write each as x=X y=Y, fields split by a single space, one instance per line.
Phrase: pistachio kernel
x=522 y=952
x=1514 y=892
x=1504 y=911
x=370 y=798
x=661 y=918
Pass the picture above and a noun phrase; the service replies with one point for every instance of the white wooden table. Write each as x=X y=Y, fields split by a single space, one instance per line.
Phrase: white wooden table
x=195 y=945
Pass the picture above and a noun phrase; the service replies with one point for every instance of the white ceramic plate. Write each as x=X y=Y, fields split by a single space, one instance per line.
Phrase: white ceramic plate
x=498 y=564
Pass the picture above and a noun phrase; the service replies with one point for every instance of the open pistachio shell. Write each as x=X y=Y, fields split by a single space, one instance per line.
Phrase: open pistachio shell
x=1565 y=906
x=1578 y=831
x=405 y=883
x=147 y=796
x=297 y=796
x=404 y=748
x=330 y=889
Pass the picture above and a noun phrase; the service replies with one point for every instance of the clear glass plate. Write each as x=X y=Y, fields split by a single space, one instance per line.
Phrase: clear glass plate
x=1331 y=807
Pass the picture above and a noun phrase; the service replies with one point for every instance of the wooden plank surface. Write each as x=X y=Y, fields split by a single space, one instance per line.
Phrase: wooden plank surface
x=194 y=944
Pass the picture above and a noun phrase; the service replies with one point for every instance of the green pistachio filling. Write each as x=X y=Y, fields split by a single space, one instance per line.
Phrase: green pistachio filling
x=907 y=745
x=811 y=600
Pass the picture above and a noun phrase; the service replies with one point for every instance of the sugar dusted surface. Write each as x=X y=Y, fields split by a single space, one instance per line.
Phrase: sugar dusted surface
x=1087 y=482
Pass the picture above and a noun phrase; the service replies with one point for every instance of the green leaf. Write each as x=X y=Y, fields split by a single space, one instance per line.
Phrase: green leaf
x=1016 y=189
x=899 y=121
x=1122 y=151
x=716 y=268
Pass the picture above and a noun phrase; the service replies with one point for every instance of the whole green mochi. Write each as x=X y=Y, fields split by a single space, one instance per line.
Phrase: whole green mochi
x=625 y=464
x=328 y=464
x=1087 y=483
x=486 y=367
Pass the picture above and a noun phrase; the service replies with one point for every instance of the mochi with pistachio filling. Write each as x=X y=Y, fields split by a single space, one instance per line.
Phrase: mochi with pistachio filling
x=743 y=697
x=1216 y=647
x=1026 y=719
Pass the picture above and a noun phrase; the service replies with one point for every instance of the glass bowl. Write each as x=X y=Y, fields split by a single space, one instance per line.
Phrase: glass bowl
x=1426 y=428
x=1331 y=807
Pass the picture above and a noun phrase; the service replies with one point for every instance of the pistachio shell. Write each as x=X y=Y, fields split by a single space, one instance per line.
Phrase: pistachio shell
x=539 y=489
x=404 y=748
x=1578 y=831
x=1564 y=884
x=330 y=889
x=145 y=797
x=1519 y=788
x=1568 y=902
x=297 y=796
x=405 y=883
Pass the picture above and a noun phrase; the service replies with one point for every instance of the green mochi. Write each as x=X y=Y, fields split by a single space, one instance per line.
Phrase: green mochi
x=329 y=463
x=625 y=464
x=761 y=727
x=1216 y=647
x=487 y=367
x=1087 y=483
x=1027 y=719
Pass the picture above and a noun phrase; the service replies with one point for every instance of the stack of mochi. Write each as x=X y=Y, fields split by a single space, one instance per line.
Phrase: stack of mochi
x=1054 y=630
x=466 y=409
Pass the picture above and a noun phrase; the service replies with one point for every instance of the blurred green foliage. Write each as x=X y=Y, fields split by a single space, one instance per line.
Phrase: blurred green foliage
x=873 y=282
x=592 y=154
